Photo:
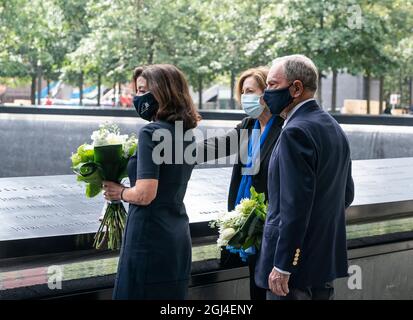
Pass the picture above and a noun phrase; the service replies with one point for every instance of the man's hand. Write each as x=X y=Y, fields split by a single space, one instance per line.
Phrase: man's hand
x=278 y=283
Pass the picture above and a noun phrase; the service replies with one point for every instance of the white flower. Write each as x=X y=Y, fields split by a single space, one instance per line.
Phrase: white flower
x=108 y=134
x=129 y=144
x=224 y=236
x=87 y=147
x=113 y=138
x=228 y=233
x=226 y=216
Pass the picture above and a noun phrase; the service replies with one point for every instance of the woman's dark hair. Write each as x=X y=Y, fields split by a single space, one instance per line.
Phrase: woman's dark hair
x=170 y=88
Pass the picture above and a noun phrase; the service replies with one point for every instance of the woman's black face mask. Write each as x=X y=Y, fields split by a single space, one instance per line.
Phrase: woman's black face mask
x=146 y=106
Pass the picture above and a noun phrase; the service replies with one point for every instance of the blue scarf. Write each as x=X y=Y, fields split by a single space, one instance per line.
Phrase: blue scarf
x=253 y=149
x=246 y=181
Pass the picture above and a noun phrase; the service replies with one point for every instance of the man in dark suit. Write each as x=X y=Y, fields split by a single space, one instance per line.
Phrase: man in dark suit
x=304 y=244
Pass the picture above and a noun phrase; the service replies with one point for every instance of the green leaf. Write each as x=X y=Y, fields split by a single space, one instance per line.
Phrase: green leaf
x=254 y=226
x=249 y=242
x=111 y=161
x=86 y=153
x=91 y=174
x=93 y=190
x=76 y=159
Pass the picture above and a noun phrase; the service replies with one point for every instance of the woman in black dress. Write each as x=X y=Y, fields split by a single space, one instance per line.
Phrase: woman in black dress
x=249 y=89
x=155 y=258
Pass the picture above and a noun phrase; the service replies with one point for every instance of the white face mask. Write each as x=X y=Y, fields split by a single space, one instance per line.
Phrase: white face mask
x=251 y=105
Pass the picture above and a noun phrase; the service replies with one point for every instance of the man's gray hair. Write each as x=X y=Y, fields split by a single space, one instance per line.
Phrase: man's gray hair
x=299 y=67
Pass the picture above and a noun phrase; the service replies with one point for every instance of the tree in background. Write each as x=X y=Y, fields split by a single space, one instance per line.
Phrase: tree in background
x=33 y=41
x=101 y=41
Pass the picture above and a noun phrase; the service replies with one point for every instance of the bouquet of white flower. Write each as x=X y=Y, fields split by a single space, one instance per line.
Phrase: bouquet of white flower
x=105 y=159
x=241 y=230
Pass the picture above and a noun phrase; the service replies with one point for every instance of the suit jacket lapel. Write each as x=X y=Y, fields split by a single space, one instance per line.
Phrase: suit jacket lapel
x=306 y=107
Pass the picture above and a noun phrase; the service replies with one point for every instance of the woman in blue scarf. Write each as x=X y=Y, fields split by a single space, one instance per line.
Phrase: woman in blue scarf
x=249 y=89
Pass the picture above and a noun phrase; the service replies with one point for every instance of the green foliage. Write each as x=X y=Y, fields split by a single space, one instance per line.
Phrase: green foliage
x=85 y=153
x=33 y=37
x=206 y=39
x=92 y=190
x=250 y=233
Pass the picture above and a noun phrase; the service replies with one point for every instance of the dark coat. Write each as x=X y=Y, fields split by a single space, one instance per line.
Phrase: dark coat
x=310 y=186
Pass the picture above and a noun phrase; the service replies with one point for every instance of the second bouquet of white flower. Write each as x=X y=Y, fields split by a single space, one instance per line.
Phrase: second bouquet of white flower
x=242 y=228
